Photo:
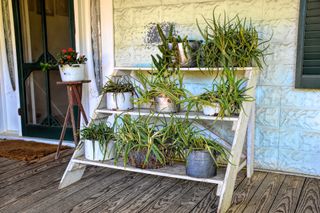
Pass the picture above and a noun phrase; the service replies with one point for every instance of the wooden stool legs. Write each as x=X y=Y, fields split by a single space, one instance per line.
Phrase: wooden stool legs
x=74 y=98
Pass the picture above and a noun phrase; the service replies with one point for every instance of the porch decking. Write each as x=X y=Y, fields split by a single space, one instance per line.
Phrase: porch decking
x=34 y=188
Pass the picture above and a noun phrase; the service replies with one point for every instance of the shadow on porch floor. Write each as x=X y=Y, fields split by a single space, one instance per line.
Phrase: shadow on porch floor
x=34 y=188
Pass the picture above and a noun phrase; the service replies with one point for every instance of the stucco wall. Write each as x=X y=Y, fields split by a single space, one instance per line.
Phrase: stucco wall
x=287 y=120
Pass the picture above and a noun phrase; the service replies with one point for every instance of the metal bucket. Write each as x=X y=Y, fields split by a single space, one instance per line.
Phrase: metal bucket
x=188 y=55
x=201 y=165
x=137 y=159
x=165 y=105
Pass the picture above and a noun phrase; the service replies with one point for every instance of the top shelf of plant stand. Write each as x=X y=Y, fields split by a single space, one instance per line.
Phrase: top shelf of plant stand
x=193 y=69
x=146 y=112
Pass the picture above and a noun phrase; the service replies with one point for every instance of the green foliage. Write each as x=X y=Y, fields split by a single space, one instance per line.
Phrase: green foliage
x=232 y=92
x=100 y=132
x=140 y=134
x=169 y=49
x=119 y=84
x=166 y=139
x=64 y=57
x=231 y=42
x=157 y=85
x=229 y=92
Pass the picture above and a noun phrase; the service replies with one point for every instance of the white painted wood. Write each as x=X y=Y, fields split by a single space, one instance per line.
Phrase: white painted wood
x=200 y=69
x=250 y=142
x=175 y=171
x=74 y=171
x=237 y=148
x=146 y=112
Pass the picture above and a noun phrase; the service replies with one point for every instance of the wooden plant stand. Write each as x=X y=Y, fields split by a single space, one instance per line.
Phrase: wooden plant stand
x=243 y=127
x=74 y=91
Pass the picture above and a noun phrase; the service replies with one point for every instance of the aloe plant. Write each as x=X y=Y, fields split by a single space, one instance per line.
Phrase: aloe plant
x=231 y=42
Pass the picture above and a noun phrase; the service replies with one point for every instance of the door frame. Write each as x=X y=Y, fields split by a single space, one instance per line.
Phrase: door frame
x=27 y=129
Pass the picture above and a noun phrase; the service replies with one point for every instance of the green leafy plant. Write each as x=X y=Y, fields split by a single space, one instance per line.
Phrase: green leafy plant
x=232 y=92
x=169 y=49
x=118 y=84
x=231 y=42
x=184 y=137
x=100 y=132
x=65 y=57
x=142 y=135
x=158 y=86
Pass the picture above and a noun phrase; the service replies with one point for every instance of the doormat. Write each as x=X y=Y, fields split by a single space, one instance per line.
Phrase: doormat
x=26 y=150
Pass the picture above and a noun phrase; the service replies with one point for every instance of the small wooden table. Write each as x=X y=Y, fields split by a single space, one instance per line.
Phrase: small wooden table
x=74 y=90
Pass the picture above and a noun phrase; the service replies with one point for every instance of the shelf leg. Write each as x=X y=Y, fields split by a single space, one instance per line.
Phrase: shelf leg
x=74 y=171
x=234 y=161
x=250 y=143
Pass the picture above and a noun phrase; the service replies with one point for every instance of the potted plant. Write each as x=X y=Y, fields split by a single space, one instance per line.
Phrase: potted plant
x=201 y=152
x=118 y=93
x=202 y=157
x=176 y=51
x=232 y=92
x=98 y=142
x=70 y=63
x=230 y=42
x=140 y=142
x=164 y=93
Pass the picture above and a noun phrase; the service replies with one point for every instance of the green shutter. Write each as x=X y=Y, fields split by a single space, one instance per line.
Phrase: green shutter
x=308 y=55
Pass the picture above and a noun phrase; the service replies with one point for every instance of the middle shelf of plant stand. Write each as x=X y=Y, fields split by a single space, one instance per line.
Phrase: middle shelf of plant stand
x=146 y=112
x=177 y=170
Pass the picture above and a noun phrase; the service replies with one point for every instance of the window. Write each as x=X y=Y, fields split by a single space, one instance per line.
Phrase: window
x=308 y=55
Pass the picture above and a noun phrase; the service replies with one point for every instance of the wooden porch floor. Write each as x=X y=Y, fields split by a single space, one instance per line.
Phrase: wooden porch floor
x=34 y=188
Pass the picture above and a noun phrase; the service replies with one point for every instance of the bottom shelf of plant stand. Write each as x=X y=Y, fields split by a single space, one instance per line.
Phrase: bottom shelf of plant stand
x=177 y=170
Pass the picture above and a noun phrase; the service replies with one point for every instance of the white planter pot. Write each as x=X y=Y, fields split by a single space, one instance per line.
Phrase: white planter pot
x=72 y=73
x=119 y=101
x=93 y=150
x=211 y=110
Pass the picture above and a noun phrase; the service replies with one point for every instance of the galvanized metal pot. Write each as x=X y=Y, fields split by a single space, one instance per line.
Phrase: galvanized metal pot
x=187 y=55
x=165 y=105
x=201 y=165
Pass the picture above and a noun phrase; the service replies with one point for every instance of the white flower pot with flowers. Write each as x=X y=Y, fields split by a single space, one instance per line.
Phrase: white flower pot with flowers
x=71 y=65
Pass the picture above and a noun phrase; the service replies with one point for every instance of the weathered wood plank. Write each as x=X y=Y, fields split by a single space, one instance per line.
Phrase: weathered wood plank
x=265 y=195
x=191 y=198
x=245 y=192
x=162 y=203
x=310 y=197
x=142 y=200
x=210 y=202
x=32 y=171
x=11 y=192
x=288 y=195
x=40 y=165
x=91 y=176
x=66 y=199
x=113 y=202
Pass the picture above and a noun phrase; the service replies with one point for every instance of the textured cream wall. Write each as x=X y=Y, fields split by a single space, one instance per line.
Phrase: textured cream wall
x=287 y=120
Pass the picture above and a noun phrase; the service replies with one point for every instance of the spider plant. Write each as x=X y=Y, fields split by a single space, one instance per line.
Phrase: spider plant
x=155 y=86
x=101 y=133
x=231 y=42
x=140 y=142
x=118 y=84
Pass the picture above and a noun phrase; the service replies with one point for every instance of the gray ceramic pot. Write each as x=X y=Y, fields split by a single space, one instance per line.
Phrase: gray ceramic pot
x=201 y=165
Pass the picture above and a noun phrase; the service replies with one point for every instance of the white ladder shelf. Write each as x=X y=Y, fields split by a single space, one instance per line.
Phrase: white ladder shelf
x=243 y=126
